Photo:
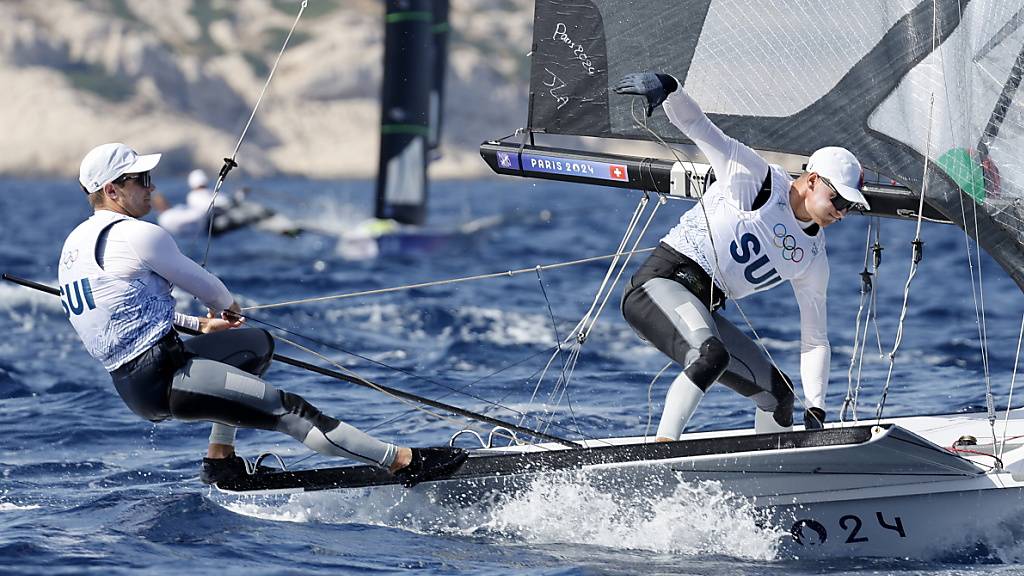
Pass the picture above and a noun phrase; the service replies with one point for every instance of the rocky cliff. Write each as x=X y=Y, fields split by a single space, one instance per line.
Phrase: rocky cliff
x=181 y=77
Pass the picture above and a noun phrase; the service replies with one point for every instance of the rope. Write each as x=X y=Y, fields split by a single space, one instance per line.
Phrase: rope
x=580 y=332
x=977 y=287
x=230 y=163
x=622 y=268
x=915 y=259
x=580 y=328
x=1013 y=380
x=554 y=326
x=650 y=402
x=506 y=274
x=410 y=403
x=392 y=368
x=866 y=289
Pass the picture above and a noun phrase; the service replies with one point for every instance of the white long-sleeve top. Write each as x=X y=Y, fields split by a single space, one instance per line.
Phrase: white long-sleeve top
x=747 y=250
x=122 y=307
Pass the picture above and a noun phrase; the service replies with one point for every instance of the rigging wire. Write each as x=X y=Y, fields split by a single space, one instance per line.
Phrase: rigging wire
x=505 y=274
x=977 y=287
x=470 y=385
x=579 y=334
x=1013 y=380
x=650 y=401
x=581 y=330
x=872 y=320
x=337 y=348
x=345 y=370
x=857 y=356
x=554 y=327
x=915 y=259
x=230 y=163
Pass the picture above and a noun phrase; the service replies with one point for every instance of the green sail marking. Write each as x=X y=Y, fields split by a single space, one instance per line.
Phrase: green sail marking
x=961 y=165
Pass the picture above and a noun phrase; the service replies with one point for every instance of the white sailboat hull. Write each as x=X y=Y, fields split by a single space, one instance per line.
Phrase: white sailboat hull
x=891 y=490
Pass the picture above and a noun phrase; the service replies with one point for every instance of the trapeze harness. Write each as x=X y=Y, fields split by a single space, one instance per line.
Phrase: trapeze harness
x=114 y=274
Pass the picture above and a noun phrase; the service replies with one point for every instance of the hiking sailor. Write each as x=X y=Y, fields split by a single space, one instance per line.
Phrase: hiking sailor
x=754 y=228
x=116 y=274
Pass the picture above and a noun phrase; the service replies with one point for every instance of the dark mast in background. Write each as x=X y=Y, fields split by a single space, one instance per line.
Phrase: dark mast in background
x=412 y=98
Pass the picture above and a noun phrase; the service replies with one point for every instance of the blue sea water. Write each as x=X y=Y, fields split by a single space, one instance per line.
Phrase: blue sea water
x=86 y=487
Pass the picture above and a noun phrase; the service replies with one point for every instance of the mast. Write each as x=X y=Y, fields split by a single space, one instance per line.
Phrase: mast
x=439 y=31
x=405 y=111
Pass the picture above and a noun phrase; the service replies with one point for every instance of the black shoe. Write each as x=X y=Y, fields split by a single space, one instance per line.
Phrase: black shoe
x=814 y=418
x=431 y=464
x=217 y=470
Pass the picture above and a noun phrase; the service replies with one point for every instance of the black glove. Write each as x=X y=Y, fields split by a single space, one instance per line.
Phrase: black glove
x=652 y=86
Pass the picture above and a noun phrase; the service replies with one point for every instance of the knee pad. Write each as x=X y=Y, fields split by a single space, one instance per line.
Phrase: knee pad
x=709 y=365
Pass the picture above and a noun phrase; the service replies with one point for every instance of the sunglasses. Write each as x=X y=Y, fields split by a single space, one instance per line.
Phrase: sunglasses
x=838 y=201
x=143 y=178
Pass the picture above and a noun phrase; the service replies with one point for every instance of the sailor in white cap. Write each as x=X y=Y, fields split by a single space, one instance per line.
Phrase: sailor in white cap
x=754 y=228
x=200 y=196
x=116 y=272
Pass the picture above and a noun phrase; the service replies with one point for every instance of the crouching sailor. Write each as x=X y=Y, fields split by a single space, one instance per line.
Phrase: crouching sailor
x=755 y=228
x=116 y=274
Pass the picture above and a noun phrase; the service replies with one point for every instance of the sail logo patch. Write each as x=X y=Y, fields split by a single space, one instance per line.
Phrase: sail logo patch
x=581 y=168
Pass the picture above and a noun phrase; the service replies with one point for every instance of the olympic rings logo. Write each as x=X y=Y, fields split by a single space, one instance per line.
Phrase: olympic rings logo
x=787 y=242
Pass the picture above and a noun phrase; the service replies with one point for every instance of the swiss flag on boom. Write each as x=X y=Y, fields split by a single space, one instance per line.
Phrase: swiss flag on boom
x=618 y=172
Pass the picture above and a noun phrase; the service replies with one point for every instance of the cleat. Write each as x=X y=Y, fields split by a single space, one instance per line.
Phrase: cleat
x=431 y=464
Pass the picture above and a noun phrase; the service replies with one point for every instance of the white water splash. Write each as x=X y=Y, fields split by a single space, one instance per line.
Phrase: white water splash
x=698 y=519
x=566 y=508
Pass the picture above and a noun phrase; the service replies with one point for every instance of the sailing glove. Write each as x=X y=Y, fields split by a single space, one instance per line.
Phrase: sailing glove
x=651 y=85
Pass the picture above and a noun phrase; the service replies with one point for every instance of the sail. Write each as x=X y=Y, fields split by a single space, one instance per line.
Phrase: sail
x=895 y=81
x=405 y=111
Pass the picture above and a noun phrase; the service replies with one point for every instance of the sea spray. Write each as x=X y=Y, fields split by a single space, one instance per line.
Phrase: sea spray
x=577 y=507
x=694 y=519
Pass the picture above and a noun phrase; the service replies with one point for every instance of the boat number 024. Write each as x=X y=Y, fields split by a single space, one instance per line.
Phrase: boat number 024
x=808 y=532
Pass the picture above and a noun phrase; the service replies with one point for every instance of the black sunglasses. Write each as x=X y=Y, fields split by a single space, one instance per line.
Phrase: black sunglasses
x=143 y=178
x=838 y=201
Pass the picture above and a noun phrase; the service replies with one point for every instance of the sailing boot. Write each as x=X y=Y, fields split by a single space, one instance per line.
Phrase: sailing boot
x=431 y=464
x=814 y=418
x=779 y=401
x=680 y=404
x=766 y=423
x=217 y=470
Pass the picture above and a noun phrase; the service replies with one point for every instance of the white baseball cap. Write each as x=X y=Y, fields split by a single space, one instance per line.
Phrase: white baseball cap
x=842 y=169
x=106 y=162
x=197 y=179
